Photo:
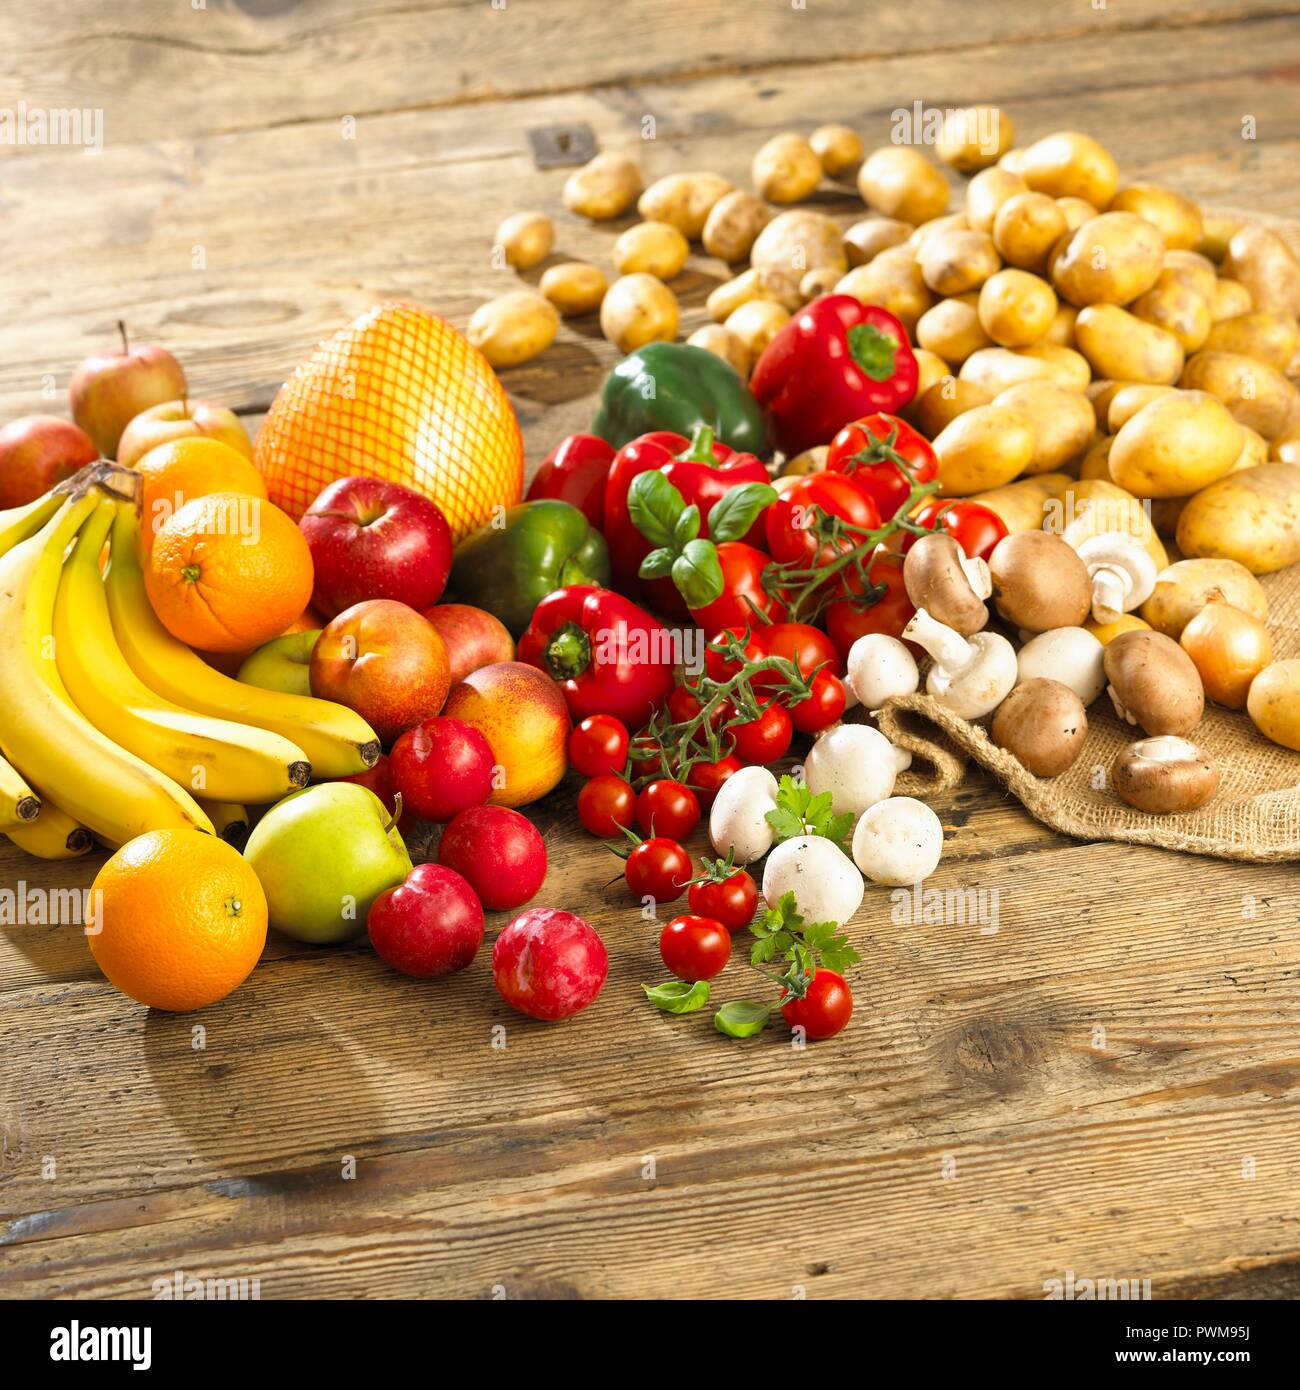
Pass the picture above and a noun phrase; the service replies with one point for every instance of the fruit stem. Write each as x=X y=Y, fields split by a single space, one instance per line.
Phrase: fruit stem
x=397 y=813
x=121 y=328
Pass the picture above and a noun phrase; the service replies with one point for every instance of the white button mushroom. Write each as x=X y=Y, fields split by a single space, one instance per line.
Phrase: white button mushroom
x=971 y=675
x=898 y=841
x=825 y=884
x=856 y=764
x=1122 y=572
x=879 y=668
x=738 y=821
x=1071 y=655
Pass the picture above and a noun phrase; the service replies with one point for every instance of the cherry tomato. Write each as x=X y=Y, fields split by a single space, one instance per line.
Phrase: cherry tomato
x=765 y=739
x=822 y=708
x=791 y=519
x=606 y=803
x=706 y=779
x=858 y=450
x=598 y=744
x=846 y=620
x=733 y=901
x=807 y=646
x=683 y=705
x=659 y=868
x=824 y=1009
x=695 y=948
x=667 y=808
x=718 y=667
x=977 y=529
x=742 y=590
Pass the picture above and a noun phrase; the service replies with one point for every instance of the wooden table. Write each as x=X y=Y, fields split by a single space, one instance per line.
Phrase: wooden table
x=1107 y=1084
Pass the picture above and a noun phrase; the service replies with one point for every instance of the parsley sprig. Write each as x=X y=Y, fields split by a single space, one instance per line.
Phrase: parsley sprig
x=799 y=812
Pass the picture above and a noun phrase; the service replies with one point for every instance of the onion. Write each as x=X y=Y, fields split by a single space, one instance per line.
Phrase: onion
x=1229 y=648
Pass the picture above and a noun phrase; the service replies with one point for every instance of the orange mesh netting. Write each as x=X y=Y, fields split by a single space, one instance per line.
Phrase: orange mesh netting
x=401 y=395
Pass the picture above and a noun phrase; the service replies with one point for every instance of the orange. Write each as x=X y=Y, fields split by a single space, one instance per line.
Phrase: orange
x=184 y=469
x=177 y=919
x=228 y=572
x=401 y=395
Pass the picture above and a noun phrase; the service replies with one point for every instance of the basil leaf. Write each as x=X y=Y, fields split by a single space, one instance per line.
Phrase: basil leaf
x=658 y=564
x=677 y=996
x=737 y=510
x=654 y=505
x=688 y=525
x=697 y=573
x=742 y=1018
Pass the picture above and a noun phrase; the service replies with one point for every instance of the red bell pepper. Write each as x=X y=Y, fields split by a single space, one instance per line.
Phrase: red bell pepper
x=575 y=471
x=607 y=655
x=869 y=449
x=702 y=469
x=835 y=360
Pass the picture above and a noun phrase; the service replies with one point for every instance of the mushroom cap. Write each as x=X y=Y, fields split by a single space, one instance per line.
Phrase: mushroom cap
x=1071 y=655
x=898 y=841
x=880 y=666
x=1154 y=683
x=979 y=687
x=1164 y=775
x=936 y=578
x=1122 y=571
x=1039 y=581
x=1042 y=724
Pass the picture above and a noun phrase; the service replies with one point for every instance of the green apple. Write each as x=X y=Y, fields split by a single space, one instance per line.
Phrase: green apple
x=282 y=664
x=323 y=855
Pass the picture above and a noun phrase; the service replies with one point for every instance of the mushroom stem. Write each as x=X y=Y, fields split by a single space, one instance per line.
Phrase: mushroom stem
x=1111 y=587
x=948 y=648
x=977 y=575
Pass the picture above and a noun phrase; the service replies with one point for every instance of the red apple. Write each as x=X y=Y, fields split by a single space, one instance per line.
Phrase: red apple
x=383 y=660
x=38 y=451
x=441 y=766
x=429 y=925
x=473 y=637
x=499 y=852
x=110 y=389
x=161 y=424
x=549 y=964
x=372 y=539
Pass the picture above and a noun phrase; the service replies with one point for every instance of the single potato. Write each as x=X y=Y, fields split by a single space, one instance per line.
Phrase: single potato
x=1062 y=419
x=1096 y=462
x=1076 y=212
x=1128 y=398
x=1218 y=231
x=1178 y=218
x=1023 y=505
x=755 y=324
x=781 y=285
x=1266 y=265
x=1285 y=448
x=975 y=137
x=786 y=169
x=983 y=449
x=838 y=148
x=995 y=369
x=733 y=225
x=957 y=261
x=1070 y=165
x=1057 y=363
x=721 y=342
x=944 y=401
x=899 y=181
x=931 y=370
x=1258 y=395
x=1170 y=305
x=526 y=238
x=651 y=248
x=817 y=282
x=1184 y=588
x=1016 y=308
x=952 y=329
x=1274 y=702
x=1111 y=259
x=1230 y=300
x=605 y=187
x=986 y=193
x=864 y=240
x=1125 y=348
x=1175 y=445
x=513 y=328
x=1263 y=334
x=638 y=309
x=1026 y=228
x=893 y=281
x=798 y=241
x=683 y=200
x=1192 y=269
x=1060 y=332
x=1251 y=517
x=574 y=287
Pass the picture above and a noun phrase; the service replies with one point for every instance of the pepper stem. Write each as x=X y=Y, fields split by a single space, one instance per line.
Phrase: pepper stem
x=701 y=447
x=568 y=653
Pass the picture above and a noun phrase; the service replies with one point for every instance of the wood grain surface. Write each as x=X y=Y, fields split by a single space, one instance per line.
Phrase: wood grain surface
x=1107 y=1083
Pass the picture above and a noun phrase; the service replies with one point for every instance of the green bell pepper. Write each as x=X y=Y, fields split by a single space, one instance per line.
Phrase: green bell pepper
x=678 y=387
x=509 y=567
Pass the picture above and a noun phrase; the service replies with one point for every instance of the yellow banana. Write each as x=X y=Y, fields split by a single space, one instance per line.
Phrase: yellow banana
x=18 y=802
x=337 y=741
x=111 y=791
x=52 y=835
x=212 y=757
x=229 y=820
x=18 y=523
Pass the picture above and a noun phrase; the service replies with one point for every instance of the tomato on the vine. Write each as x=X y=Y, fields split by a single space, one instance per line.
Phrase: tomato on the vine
x=823 y=707
x=598 y=744
x=731 y=901
x=694 y=948
x=846 y=620
x=765 y=739
x=824 y=1009
x=807 y=646
x=720 y=668
x=683 y=705
x=667 y=808
x=706 y=779
x=859 y=451
x=606 y=804
x=976 y=528
x=742 y=590
x=791 y=519
x=658 y=868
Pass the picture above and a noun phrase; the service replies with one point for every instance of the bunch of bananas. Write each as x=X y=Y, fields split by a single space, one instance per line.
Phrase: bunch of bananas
x=109 y=726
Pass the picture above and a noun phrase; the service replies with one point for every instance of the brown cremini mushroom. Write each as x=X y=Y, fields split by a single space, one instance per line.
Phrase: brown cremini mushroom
x=1153 y=683
x=1039 y=581
x=950 y=586
x=1164 y=775
x=1042 y=723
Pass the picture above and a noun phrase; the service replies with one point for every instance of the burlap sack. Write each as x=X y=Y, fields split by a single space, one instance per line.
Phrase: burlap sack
x=1256 y=814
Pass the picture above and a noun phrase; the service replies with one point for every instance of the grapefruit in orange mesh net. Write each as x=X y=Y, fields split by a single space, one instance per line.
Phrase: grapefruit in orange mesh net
x=184 y=469
x=177 y=919
x=400 y=395
x=228 y=572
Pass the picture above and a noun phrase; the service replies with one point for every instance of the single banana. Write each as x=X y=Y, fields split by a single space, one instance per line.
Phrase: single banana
x=211 y=757
x=337 y=741
x=111 y=791
x=18 y=802
x=52 y=835
x=18 y=523
x=229 y=820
